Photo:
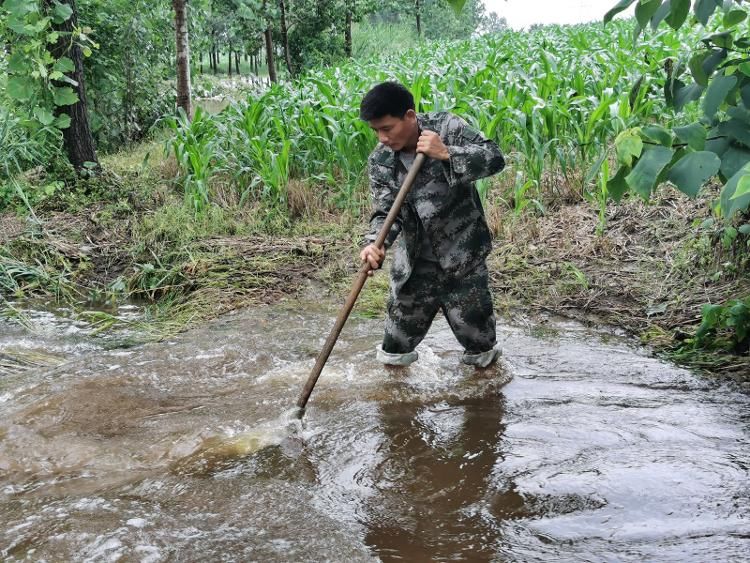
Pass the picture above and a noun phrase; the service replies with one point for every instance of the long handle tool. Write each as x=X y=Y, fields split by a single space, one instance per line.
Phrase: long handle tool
x=359 y=283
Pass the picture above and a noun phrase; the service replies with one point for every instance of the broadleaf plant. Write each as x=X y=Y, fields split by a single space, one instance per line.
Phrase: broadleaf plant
x=715 y=72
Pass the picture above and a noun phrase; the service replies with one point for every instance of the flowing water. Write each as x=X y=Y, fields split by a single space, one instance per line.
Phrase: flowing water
x=580 y=447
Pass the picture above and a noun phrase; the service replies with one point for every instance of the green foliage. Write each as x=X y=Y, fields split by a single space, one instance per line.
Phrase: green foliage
x=313 y=41
x=193 y=146
x=34 y=73
x=440 y=19
x=507 y=85
x=23 y=143
x=725 y=327
x=370 y=40
x=128 y=80
x=718 y=143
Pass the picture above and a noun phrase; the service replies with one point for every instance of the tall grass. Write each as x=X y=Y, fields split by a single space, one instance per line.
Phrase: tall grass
x=22 y=145
x=552 y=99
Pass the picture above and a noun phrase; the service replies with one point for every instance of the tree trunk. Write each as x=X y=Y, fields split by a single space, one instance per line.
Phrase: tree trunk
x=128 y=99
x=79 y=144
x=269 y=55
x=183 y=56
x=212 y=53
x=229 y=61
x=285 y=37
x=201 y=59
x=348 y=28
x=237 y=62
x=417 y=9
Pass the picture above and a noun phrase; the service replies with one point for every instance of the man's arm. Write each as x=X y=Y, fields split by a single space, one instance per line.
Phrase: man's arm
x=382 y=199
x=471 y=155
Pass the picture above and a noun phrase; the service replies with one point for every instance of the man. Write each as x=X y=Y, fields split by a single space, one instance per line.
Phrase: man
x=439 y=262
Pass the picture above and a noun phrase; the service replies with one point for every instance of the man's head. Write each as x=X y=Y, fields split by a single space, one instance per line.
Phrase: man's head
x=389 y=109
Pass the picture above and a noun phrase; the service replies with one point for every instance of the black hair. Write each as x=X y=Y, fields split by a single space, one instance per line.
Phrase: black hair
x=387 y=98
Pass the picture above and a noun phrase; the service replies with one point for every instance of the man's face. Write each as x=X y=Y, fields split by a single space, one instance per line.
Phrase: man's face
x=397 y=133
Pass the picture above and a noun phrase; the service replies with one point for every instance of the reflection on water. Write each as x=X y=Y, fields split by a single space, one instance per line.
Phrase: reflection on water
x=436 y=467
x=181 y=451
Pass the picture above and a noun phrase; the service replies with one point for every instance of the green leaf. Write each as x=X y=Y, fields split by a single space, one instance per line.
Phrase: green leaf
x=743 y=187
x=732 y=160
x=694 y=135
x=44 y=116
x=658 y=134
x=693 y=170
x=643 y=176
x=716 y=94
x=61 y=12
x=64 y=64
x=635 y=90
x=704 y=8
x=723 y=39
x=729 y=205
x=621 y=6
x=696 y=67
x=712 y=62
x=20 y=88
x=64 y=96
x=62 y=121
x=644 y=10
x=20 y=8
x=628 y=144
x=686 y=94
x=660 y=14
x=736 y=130
x=457 y=5
x=678 y=13
x=617 y=186
x=17 y=63
x=676 y=157
x=734 y=16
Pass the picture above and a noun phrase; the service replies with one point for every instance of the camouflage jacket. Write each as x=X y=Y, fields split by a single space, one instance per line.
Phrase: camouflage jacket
x=443 y=204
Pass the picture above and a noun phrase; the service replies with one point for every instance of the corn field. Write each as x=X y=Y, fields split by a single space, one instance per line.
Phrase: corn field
x=554 y=99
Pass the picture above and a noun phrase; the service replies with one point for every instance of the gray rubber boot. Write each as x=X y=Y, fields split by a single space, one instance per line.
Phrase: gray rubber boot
x=396 y=359
x=483 y=359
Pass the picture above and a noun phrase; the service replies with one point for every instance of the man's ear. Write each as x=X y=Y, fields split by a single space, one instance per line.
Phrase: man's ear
x=410 y=114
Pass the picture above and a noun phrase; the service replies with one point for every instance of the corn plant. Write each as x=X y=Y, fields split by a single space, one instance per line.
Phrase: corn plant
x=193 y=148
x=555 y=97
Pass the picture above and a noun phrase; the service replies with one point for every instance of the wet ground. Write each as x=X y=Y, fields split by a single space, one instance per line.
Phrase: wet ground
x=580 y=447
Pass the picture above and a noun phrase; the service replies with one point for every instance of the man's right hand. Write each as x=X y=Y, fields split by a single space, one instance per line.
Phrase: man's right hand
x=373 y=256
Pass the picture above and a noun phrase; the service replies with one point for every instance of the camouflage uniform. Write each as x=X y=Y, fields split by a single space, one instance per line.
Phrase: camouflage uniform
x=439 y=261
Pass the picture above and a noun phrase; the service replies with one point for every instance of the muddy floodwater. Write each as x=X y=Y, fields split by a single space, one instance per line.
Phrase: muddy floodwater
x=580 y=447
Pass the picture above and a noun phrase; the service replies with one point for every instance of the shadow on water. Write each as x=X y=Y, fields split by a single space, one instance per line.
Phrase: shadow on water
x=184 y=450
x=437 y=465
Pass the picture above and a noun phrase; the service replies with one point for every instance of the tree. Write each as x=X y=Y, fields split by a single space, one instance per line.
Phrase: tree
x=285 y=37
x=183 y=56
x=418 y=17
x=718 y=74
x=79 y=144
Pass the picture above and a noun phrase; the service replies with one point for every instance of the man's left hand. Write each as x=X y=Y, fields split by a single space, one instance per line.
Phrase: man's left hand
x=432 y=145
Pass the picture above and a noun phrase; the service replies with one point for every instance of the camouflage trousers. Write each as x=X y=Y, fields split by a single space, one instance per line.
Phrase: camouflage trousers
x=466 y=303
